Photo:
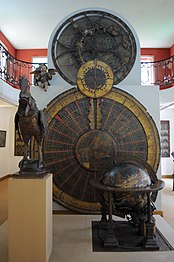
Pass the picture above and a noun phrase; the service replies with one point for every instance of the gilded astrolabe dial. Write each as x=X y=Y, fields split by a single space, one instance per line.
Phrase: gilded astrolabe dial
x=95 y=78
x=85 y=132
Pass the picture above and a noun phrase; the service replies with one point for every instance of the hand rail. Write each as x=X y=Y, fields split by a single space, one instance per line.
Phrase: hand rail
x=12 y=69
x=159 y=72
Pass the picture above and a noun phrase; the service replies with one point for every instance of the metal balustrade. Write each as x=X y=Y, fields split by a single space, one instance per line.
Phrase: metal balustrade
x=11 y=70
x=159 y=73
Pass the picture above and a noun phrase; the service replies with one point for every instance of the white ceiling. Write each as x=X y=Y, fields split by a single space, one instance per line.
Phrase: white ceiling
x=29 y=24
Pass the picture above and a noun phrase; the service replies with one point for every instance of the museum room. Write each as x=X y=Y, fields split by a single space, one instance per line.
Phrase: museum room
x=86 y=131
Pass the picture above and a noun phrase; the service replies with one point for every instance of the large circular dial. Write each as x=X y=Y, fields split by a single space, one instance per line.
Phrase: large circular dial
x=84 y=132
x=91 y=35
x=95 y=78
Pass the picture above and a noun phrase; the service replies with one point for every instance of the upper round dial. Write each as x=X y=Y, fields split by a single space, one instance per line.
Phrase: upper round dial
x=93 y=35
x=95 y=78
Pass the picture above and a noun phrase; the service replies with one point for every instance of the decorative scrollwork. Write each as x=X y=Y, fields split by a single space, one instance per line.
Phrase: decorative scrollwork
x=93 y=35
x=85 y=133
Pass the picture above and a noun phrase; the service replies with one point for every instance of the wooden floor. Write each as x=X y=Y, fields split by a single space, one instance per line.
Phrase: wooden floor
x=3 y=200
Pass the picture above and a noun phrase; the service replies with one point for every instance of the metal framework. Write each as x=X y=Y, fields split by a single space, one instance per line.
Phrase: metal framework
x=163 y=71
x=11 y=70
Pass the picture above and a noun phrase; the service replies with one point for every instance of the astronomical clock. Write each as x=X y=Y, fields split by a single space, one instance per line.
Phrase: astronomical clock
x=94 y=121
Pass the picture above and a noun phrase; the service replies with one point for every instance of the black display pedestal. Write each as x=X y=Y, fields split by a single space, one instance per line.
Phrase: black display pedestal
x=128 y=237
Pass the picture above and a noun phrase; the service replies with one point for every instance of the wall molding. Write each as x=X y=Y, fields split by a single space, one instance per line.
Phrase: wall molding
x=5 y=177
x=69 y=212
x=167 y=176
x=158 y=212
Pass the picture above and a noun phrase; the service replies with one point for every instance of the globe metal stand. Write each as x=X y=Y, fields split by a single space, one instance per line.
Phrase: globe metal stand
x=106 y=227
x=110 y=240
x=150 y=242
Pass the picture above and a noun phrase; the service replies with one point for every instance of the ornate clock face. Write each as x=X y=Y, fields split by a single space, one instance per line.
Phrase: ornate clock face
x=95 y=78
x=83 y=132
x=91 y=35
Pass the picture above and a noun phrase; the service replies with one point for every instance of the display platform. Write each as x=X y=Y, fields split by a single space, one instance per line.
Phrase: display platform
x=128 y=238
x=72 y=241
x=30 y=218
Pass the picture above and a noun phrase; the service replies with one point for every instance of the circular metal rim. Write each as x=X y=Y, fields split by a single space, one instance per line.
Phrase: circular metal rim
x=109 y=81
x=145 y=119
x=69 y=20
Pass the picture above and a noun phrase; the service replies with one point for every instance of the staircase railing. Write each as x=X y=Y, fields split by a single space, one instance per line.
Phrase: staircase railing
x=12 y=69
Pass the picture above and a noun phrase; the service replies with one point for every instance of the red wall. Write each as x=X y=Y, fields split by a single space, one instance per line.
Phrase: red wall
x=172 y=50
x=27 y=54
x=158 y=53
x=22 y=54
x=9 y=46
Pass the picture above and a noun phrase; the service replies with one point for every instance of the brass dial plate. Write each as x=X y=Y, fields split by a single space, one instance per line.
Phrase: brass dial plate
x=83 y=129
x=95 y=78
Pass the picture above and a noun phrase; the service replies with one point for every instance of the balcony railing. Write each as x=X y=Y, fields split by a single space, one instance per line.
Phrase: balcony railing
x=11 y=69
x=156 y=73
